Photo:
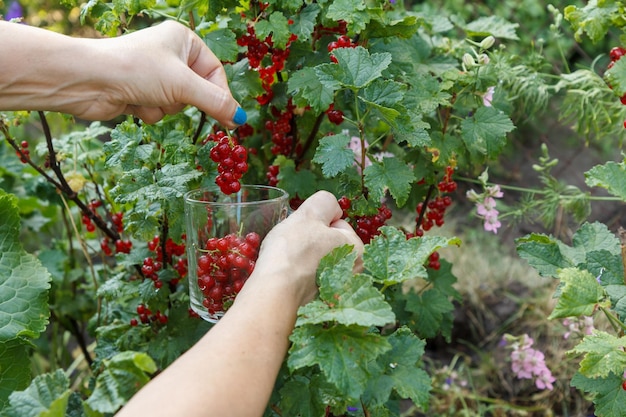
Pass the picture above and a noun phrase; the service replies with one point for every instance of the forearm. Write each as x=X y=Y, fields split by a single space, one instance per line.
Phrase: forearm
x=44 y=70
x=232 y=370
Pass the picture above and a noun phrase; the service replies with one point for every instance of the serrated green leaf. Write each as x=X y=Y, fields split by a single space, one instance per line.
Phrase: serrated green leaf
x=542 y=253
x=298 y=398
x=352 y=11
x=594 y=19
x=334 y=154
x=392 y=258
x=344 y=297
x=608 y=396
x=122 y=150
x=277 y=26
x=402 y=365
x=121 y=378
x=496 y=26
x=305 y=20
x=243 y=82
x=343 y=353
x=47 y=395
x=391 y=174
x=617 y=294
x=430 y=310
x=607 y=267
x=592 y=237
x=356 y=68
x=611 y=175
x=603 y=354
x=485 y=132
x=307 y=88
x=580 y=294
x=223 y=43
x=24 y=282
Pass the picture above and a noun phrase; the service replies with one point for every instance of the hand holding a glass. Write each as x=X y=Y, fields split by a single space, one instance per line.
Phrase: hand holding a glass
x=252 y=338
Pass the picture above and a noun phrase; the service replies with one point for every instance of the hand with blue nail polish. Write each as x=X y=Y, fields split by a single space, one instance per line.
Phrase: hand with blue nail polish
x=148 y=73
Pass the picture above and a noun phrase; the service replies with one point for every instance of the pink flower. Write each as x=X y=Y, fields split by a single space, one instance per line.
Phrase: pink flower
x=355 y=145
x=492 y=224
x=529 y=363
x=488 y=96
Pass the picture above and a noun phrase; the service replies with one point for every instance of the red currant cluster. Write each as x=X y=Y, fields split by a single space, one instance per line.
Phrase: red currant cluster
x=366 y=227
x=146 y=316
x=432 y=213
x=121 y=246
x=272 y=175
x=343 y=41
x=335 y=116
x=152 y=265
x=257 y=50
x=231 y=159
x=223 y=268
x=86 y=220
x=433 y=260
x=280 y=127
x=25 y=152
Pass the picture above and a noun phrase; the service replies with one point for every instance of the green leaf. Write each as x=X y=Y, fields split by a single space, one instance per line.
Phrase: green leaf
x=242 y=82
x=402 y=364
x=591 y=237
x=606 y=266
x=47 y=395
x=496 y=26
x=609 y=397
x=299 y=399
x=301 y=183
x=123 y=375
x=24 y=282
x=145 y=185
x=14 y=368
x=594 y=19
x=542 y=253
x=391 y=174
x=344 y=297
x=384 y=96
x=611 y=176
x=603 y=354
x=352 y=11
x=485 y=132
x=356 y=68
x=305 y=20
x=277 y=25
x=430 y=309
x=391 y=258
x=307 y=89
x=343 y=353
x=334 y=154
x=123 y=151
x=223 y=43
x=580 y=294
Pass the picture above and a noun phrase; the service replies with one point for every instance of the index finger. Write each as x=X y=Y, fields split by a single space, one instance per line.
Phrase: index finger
x=322 y=206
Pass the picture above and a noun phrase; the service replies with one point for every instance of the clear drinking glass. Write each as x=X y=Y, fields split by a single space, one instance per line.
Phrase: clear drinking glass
x=224 y=233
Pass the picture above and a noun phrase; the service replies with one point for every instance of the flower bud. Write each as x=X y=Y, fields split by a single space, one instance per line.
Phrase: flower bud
x=468 y=60
x=487 y=42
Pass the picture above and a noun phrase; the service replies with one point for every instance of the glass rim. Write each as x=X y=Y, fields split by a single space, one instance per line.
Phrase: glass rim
x=283 y=195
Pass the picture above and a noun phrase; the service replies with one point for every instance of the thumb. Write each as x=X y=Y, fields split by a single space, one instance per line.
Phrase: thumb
x=214 y=100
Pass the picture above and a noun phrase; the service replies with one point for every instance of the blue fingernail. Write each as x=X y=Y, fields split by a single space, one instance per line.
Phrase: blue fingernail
x=240 y=116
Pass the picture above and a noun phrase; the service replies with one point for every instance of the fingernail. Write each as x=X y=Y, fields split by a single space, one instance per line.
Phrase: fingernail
x=240 y=116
